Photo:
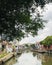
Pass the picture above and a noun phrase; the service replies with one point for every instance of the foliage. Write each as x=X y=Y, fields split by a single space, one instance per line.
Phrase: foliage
x=47 y=41
x=32 y=45
x=26 y=45
x=15 y=17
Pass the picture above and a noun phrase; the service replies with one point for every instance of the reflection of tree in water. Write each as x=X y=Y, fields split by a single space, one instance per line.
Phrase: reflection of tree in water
x=34 y=54
x=12 y=61
x=46 y=59
x=39 y=56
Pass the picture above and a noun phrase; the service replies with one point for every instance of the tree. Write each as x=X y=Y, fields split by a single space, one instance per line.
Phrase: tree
x=15 y=18
x=47 y=41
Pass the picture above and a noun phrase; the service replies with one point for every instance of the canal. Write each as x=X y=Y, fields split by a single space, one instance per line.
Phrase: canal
x=30 y=58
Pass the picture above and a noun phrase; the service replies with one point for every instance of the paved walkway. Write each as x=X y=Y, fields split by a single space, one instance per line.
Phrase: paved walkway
x=7 y=57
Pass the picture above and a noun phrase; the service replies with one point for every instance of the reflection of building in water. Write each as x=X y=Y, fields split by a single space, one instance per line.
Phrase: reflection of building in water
x=41 y=57
x=45 y=59
x=48 y=60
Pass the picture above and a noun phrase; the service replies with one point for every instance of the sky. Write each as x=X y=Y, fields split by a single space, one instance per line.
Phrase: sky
x=47 y=31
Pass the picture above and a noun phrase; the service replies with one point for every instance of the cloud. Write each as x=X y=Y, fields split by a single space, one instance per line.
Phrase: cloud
x=48 y=12
x=47 y=31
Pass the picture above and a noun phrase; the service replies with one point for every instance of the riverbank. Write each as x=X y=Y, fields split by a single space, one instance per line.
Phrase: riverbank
x=8 y=56
x=5 y=58
x=42 y=51
x=32 y=57
x=12 y=54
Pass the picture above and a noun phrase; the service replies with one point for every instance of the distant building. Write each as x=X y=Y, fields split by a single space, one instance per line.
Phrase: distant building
x=39 y=46
x=4 y=43
x=9 y=48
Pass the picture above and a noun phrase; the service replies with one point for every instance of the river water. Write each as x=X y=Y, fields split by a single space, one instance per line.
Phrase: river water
x=30 y=58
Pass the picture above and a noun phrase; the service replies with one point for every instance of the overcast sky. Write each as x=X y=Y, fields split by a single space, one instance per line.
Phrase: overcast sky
x=47 y=31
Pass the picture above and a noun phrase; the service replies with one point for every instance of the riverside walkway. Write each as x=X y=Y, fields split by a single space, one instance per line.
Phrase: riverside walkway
x=5 y=58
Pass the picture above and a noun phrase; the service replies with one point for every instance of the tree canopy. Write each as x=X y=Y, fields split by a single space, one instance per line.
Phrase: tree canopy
x=15 y=18
x=47 y=41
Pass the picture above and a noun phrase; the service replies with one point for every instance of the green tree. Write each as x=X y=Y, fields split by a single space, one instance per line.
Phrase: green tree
x=47 y=41
x=15 y=18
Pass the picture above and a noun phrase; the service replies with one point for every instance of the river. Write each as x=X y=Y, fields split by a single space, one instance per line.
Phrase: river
x=30 y=58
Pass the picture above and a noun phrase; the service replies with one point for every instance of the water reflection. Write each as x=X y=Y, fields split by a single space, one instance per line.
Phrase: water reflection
x=46 y=59
x=30 y=58
x=10 y=62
